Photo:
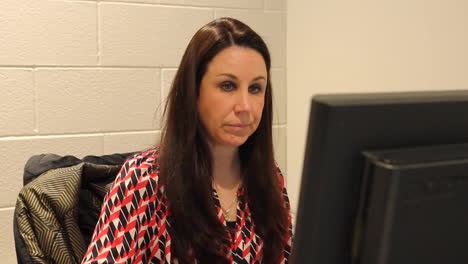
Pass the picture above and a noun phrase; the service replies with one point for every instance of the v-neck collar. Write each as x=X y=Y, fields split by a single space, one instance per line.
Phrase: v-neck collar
x=239 y=207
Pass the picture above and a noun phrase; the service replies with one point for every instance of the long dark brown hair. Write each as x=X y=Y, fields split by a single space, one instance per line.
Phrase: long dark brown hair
x=186 y=161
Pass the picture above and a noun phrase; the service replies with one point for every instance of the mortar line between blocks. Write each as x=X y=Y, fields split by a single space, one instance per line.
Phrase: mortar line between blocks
x=167 y=4
x=141 y=3
x=173 y=5
x=161 y=93
x=92 y=67
x=157 y=117
x=35 y=101
x=75 y=134
x=103 y=145
x=98 y=33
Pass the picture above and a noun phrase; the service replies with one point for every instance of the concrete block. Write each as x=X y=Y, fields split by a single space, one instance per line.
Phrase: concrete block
x=167 y=76
x=217 y=3
x=16 y=102
x=97 y=100
x=279 y=143
x=146 y=35
x=278 y=78
x=45 y=32
x=14 y=152
x=268 y=24
x=275 y=5
x=130 y=142
x=7 y=242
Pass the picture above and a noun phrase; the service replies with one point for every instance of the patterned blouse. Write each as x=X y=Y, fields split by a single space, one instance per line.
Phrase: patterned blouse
x=132 y=227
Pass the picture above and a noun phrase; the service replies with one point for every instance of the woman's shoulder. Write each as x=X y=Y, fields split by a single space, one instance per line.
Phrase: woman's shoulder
x=145 y=158
x=142 y=165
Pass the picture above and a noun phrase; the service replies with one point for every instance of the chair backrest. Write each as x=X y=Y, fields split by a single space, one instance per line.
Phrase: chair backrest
x=58 y=207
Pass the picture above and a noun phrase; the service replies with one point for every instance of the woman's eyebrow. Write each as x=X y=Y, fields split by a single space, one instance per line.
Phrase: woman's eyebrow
x=259 y=78
x=228 y=75
x=235 y=77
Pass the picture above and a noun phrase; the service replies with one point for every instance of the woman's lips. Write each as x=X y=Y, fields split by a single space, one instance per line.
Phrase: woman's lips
x=237 y=127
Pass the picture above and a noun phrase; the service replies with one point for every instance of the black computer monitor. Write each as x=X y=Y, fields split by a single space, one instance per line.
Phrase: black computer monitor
x=341 y=127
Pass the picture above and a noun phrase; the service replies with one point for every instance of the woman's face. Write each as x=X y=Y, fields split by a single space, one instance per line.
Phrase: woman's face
x=232 y=95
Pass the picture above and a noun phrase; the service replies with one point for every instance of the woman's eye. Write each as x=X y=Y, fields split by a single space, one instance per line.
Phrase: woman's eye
x=254 y=89
x=227 y=86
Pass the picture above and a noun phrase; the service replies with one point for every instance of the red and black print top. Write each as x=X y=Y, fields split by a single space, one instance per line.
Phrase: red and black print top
x=132 y=227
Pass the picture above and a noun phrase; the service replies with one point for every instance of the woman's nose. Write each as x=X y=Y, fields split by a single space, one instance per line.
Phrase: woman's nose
x=243 y=103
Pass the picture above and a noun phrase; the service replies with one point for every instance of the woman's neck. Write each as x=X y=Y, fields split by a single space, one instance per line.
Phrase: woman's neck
x=226 y=166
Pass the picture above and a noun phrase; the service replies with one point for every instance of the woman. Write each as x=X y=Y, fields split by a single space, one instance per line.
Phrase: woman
x=211 y=192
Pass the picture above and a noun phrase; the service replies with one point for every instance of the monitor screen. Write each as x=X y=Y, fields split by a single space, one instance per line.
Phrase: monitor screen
x=341 y=128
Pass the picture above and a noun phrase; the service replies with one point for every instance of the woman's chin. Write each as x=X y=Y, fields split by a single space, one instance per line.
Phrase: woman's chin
x=233 y=141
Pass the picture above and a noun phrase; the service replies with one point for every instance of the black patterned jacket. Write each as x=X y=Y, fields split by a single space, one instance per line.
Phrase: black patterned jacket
x=58 y=207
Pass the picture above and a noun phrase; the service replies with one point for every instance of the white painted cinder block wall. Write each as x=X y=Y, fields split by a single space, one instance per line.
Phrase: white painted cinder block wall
x=87 y=77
